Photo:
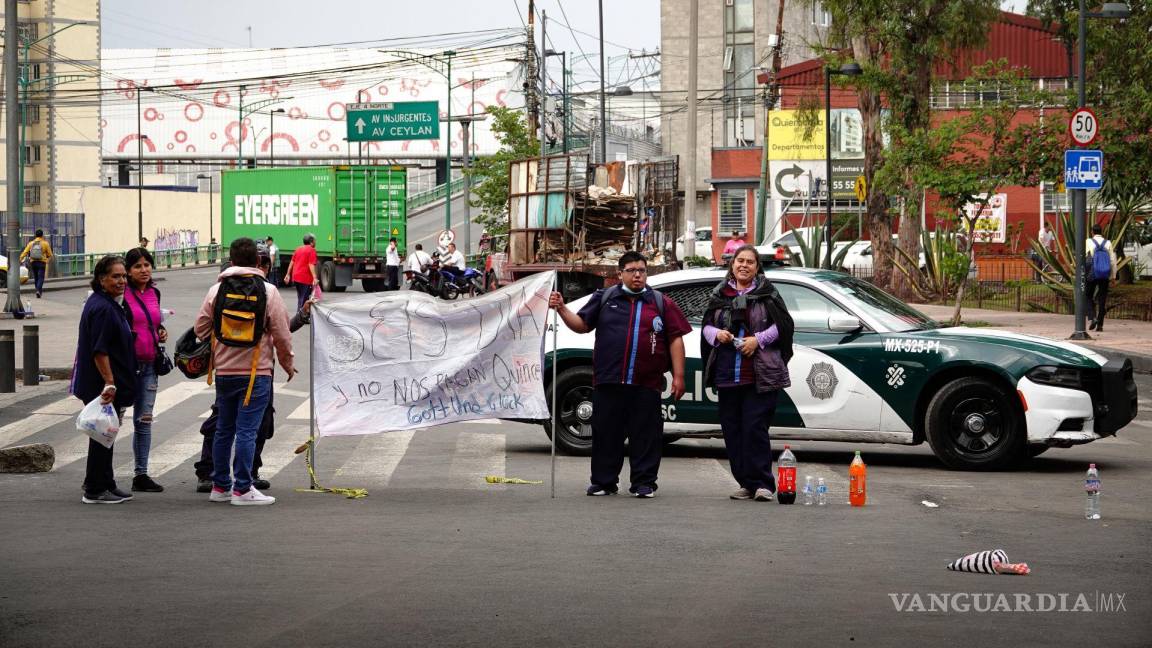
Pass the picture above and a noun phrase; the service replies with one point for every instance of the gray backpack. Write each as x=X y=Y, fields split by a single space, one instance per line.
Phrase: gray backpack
x=36 y=252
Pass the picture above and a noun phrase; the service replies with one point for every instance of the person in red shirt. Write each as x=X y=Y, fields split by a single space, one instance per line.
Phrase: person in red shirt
x=638 y=337
x=302 y=270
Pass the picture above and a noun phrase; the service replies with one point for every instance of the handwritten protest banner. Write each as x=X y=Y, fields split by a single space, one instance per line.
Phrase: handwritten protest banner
x=405 y=360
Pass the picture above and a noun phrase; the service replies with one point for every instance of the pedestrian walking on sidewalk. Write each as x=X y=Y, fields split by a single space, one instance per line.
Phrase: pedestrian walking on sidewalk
x=105 y=368
x=1099 y=274
x=639 y=336
x=142 y=299
x=302 y=270
x=745 y=346
x=247 y=322
x=37 y=253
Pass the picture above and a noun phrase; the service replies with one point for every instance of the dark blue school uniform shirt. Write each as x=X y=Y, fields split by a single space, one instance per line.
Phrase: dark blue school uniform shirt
x=105 y=328
x=632 y=337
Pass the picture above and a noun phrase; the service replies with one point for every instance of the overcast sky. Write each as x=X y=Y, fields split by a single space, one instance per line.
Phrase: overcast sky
x=628 y=24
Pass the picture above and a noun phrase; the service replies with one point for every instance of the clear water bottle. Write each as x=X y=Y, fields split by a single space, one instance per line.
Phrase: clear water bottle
x=821 y=492
x=809 y=490
x=1092 y=490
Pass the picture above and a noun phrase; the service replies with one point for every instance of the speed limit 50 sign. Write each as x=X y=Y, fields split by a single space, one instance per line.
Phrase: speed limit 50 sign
x=1083 y=127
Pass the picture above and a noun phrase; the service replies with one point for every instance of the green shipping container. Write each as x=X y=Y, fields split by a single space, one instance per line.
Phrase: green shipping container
x=352 y=211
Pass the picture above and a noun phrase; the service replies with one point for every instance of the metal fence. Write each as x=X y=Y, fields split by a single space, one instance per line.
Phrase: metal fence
x=1025 y=296
x=64 y=231
x=417 y=200
x=76 y=265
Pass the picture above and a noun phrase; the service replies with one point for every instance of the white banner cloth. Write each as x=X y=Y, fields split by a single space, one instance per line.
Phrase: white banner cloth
x=404 y=360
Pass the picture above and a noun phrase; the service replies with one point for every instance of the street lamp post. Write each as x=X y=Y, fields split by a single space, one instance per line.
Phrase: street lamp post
x=211 y=219
x=16 y=87
x=445 y=62
x=848 y=69
x=140 y=137
x=1080 y=196
x=272 y=137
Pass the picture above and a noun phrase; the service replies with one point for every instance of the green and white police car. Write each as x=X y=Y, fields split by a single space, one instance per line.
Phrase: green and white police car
x=869 y=368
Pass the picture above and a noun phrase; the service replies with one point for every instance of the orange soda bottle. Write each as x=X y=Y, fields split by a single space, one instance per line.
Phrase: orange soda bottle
x=857 y=481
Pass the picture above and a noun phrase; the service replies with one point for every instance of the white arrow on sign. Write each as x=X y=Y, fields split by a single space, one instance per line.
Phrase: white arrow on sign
x=360 y=126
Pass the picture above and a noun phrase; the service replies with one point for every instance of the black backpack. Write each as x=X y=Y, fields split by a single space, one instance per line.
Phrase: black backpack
x=239 y=313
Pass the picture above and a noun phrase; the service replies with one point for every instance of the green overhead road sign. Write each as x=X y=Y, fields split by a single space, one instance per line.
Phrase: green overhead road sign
x=393 y=121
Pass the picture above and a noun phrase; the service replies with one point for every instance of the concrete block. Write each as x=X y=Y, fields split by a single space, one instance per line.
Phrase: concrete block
x=31 y=458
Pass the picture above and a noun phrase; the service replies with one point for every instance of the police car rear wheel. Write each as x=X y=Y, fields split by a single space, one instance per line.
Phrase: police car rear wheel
x=574 y=402
x=974 y=424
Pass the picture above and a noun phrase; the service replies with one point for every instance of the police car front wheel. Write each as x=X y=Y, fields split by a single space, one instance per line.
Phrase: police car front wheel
x=574 y=402
x=974 y=424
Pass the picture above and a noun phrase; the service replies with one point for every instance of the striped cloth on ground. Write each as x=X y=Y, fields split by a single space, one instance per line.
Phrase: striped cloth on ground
x=979 y=562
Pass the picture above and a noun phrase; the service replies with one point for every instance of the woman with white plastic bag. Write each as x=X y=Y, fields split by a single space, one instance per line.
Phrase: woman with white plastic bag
x=105 y=370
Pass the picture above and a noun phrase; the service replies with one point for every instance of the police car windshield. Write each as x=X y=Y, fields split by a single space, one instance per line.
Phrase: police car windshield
x=893 y=313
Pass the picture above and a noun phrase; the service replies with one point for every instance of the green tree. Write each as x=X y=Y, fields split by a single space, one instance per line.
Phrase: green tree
x=1117 y=73
x=1001 y=142
x=899 y=42
x=490 y=194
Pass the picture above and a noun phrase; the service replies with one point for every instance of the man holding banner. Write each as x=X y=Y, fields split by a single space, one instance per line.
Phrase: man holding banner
x=639 y=335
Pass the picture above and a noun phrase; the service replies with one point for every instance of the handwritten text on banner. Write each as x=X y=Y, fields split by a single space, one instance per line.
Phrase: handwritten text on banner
x=406 y=360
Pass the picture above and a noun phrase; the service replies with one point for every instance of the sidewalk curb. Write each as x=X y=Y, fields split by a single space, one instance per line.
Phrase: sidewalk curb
x=1141 y=363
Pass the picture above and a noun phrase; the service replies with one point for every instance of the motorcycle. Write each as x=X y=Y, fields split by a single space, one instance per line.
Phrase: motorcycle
x=471 y=282
x=430 y=280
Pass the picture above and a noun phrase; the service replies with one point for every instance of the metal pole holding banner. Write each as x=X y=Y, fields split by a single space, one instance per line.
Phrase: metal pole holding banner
x=312 y=402
x=555 y=361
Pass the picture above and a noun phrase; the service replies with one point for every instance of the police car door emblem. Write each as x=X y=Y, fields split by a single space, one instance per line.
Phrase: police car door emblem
x=895 y=376
x=822 y=380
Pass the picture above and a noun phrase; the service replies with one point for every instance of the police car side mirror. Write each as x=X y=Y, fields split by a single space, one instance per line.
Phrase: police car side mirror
x=844 y=324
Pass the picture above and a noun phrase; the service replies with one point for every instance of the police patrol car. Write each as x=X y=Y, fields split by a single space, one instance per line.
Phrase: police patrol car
x=869 y=368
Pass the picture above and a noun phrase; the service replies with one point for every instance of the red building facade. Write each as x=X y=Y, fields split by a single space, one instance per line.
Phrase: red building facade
x=1023 y=41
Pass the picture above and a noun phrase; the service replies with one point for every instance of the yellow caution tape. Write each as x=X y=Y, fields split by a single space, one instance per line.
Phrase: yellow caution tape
x=494 y=479
x=350 y=493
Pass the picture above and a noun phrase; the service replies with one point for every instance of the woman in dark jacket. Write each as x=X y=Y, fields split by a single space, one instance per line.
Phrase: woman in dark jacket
x=105 y=369
x=746 y=345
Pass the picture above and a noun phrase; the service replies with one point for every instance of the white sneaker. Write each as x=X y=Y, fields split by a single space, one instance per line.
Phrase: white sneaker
x=763 y=495
x=219 y=495
x=252 y=498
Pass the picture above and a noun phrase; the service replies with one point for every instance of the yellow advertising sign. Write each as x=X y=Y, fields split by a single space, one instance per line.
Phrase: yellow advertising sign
x=786 y=137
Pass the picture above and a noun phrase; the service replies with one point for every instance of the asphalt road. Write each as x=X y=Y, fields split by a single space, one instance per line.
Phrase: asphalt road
x=425 y=227
x=435 y=556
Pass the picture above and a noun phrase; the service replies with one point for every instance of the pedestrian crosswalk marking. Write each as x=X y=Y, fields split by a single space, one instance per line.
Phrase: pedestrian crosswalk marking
x=40 y=420
x=76 y=448
x=170 y=454
x=477 y=455
x=302 y=412
x=279 y=452
x=376 y=456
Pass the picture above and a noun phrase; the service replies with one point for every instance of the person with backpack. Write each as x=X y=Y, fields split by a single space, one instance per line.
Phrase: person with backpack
x=245 y=319
x=417 y=261
x=142 y=299
x=1100 y=272
x=37 y=253
x=639 y=335
x=745 y=346
x=267 y=427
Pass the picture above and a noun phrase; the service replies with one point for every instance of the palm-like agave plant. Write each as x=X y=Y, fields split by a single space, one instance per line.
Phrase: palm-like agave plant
x=1058 y=265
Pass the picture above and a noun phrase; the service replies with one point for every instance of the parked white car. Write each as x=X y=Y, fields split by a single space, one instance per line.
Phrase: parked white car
x=703 y=244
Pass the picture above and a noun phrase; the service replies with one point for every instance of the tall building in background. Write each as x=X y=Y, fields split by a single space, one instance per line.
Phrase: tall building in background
x=61 y=79
x=736 y=40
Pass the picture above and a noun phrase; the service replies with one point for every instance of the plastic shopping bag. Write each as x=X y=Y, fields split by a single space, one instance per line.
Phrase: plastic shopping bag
x=99 y=421
x=316 y=293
